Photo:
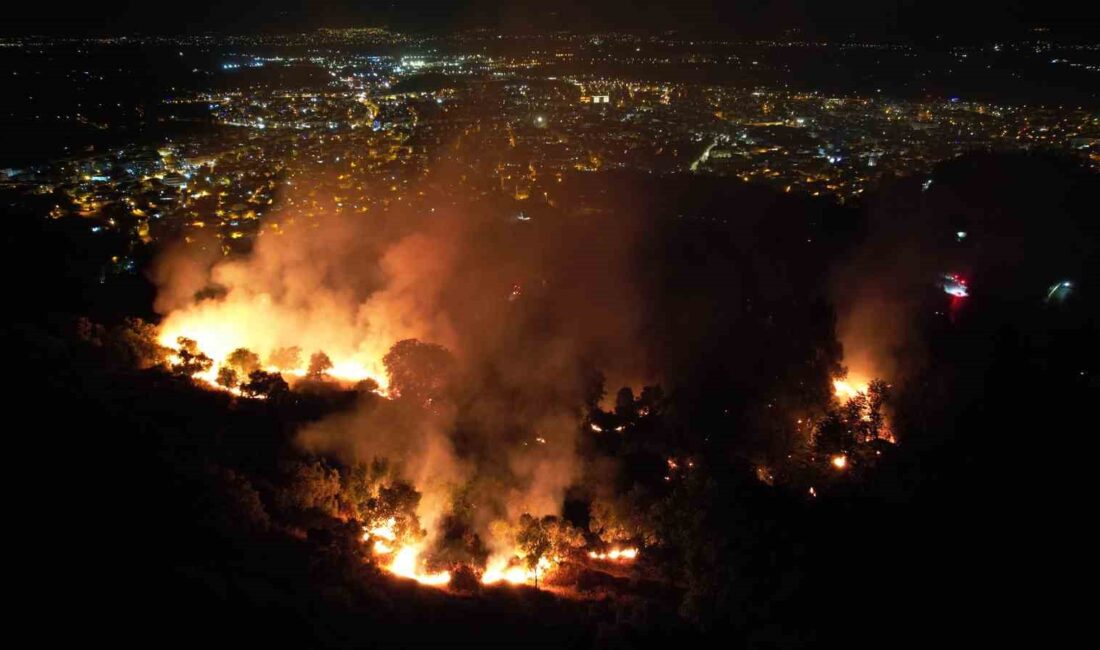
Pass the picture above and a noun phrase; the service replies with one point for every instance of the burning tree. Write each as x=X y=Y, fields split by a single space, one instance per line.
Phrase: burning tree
x=379 y=499
x=189 y=359
x=543 y=539
x=243 y=361
x=860 y=419
x=319 y=364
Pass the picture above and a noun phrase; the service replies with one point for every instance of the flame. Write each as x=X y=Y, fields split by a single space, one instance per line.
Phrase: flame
x=215 y=344
x=511 y=570
x=615 y=554
x=406 y=561
x=840 y=461
x=407 y=565
x=847 y=389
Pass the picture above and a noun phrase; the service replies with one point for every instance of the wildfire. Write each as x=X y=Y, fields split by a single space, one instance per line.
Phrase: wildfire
x=615 y=554
x=846 y=389
x=218 y=348
x=513 y=571
x=406 y=560
x=383 y=536
x=407 y=565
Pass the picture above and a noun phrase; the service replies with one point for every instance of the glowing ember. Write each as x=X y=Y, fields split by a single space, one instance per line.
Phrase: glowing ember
x=615 y=554
x=839 y=461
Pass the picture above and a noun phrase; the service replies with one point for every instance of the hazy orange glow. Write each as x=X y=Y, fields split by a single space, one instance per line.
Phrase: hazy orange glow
x=839 y=461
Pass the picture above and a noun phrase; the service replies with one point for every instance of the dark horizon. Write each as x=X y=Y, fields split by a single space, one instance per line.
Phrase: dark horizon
x=894 y=20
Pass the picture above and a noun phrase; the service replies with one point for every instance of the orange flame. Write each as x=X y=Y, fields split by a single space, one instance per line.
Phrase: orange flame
x=405 y=562
x=510 y=570
x=847 y=389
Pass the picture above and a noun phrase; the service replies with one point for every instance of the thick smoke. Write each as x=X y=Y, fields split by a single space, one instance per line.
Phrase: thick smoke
x=417 y=440
x=529 y=308
x=880 y=288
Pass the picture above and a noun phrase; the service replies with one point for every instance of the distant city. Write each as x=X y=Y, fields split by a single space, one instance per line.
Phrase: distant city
x=365 y=114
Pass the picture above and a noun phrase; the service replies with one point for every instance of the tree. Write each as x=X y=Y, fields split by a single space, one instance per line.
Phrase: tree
x=368 y=385
x=622 y=519
x=227 y=377
x=592 y=382
x=533 y=541
x=189 y=360
x=238 y=502
x=546 y=537
x=625 y=407
x=312 y=485
x=135 y=340
x=319 y=364
x=458 y=541
x=418 y=371
x=397 y=500
x=376 y=495
x=878 y=394
x=265 y=384
x=244 y=361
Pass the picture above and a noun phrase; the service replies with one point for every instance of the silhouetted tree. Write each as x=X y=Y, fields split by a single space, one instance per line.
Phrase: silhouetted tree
x=135 y=341
x=190 y=360
x=319 y=364
x=244 y=361
x=265 y=384
x=312 y=485
x=621 y=519
x=367 y=385
x=625 y=408
x=227 y=377
x=417 y=370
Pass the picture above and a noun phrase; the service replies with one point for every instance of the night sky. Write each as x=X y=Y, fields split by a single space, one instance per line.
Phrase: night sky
x=901 y=19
